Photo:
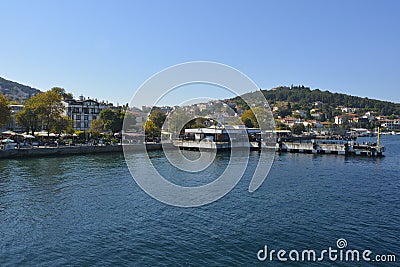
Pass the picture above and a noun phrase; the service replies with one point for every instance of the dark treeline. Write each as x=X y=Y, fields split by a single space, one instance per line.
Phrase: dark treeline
x=304 y=97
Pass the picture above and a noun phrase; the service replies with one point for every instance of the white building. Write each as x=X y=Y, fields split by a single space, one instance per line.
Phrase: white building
x=341 y=119
x=391 y=124
x=83 y=111
x=301 y=113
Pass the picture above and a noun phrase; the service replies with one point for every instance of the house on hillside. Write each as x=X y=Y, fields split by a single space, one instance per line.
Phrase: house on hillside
x=318 y=104
x=339 y=120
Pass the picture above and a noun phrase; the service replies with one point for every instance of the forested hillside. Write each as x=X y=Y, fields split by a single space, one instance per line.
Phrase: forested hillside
x=305 y=98
x=15 y=91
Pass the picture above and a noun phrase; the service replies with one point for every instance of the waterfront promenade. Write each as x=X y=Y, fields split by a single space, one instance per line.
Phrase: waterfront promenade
x=72 y=150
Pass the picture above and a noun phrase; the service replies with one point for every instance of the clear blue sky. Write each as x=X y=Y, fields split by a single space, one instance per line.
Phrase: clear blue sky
x=107 y=49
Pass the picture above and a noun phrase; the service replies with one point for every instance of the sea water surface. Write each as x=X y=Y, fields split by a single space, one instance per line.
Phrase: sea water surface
x=87 y=210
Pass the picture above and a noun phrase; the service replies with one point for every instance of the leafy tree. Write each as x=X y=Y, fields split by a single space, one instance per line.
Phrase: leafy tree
x=112 y=120
x=63 y=124
x=196 y=123
x=97 y=126
x=298 y=128
x=284 y=112
x=29 y=117
x=50 y=108
x=249 y=119
x=151 y=129
x=44 y=109
x=62 y=93
x=158 y=117
x=81 y=135
x=5 y=113
x=280 y=126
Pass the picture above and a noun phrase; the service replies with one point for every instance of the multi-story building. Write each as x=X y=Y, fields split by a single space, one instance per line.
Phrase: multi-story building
x=83 y=111
x=391 y=124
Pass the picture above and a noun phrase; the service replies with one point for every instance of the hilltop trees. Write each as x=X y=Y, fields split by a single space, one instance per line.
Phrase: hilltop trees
x=304 y=96
x=5 y=114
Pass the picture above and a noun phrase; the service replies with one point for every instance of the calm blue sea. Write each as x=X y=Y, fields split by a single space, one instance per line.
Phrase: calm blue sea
x=87 y=210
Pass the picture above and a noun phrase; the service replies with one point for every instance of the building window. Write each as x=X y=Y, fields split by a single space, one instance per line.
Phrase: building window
x=86 y=110
x=86 y=117
x=94 y=117
x=78 y=117
x=86 y=124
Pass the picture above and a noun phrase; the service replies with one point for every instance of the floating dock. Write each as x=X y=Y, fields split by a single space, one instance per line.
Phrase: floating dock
x=370 y=150
x=218 y=138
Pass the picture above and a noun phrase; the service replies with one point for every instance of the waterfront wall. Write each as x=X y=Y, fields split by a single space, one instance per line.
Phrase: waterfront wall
x=70 y=150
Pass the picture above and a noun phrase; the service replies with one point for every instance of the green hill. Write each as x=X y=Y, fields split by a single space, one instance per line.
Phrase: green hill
x=15 y=91
x=300 y=97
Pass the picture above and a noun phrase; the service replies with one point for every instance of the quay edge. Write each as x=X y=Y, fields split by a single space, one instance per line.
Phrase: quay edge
x=71 y=150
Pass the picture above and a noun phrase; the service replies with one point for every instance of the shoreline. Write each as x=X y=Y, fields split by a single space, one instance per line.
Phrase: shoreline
x=71 y=150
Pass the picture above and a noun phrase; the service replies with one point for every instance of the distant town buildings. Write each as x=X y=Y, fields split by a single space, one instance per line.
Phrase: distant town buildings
x=314 y=116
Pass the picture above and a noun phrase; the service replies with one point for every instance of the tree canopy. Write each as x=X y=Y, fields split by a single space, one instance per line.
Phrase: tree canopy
x=62 y=93
x=158 y=117
x=154 y=123
x=44 y=109
x=151 y=129
x=5 y=113
x=249 y=119
x=113 y=120
x=298 y=128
